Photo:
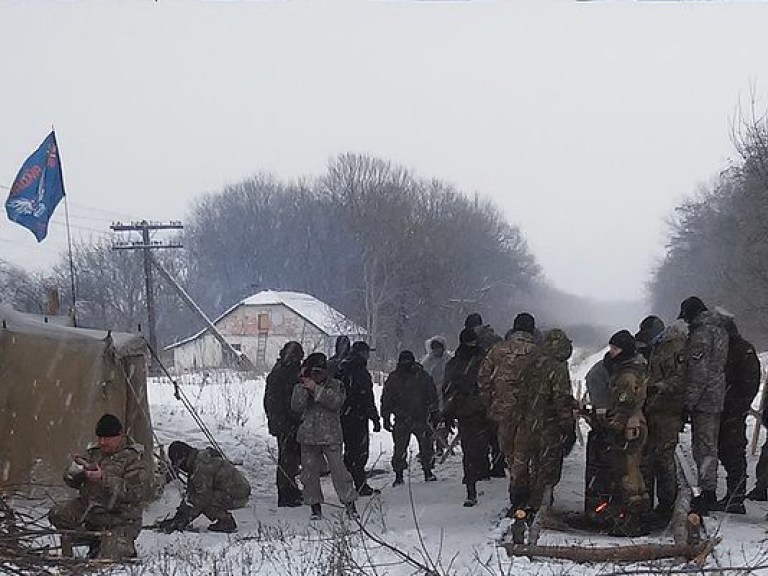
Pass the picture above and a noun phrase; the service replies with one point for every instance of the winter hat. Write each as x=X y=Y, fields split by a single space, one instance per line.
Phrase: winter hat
x=650 y=328
x=473 y=320
x=178 y=452
x=108 y=426
x=406 y=358
x=524 y=322
x=292 y=349
x=467 y=336
x=360 y=346
x=623 y=339
x=690 y=308
x=316 y=360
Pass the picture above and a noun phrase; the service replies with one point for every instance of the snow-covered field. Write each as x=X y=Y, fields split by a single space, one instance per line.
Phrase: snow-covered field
x=426 y=522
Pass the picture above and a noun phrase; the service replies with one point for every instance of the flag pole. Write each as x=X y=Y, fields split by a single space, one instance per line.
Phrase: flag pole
x=69 y=244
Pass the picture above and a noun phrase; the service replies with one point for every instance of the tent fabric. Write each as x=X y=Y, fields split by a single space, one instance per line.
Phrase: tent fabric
x=55 y=383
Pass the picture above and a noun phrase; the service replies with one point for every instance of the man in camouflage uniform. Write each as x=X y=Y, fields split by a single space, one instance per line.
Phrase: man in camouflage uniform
x=664 y=350
x=628 y=431
x=705 y=355
x=549 y=416
x=214 y=487
x=463 y=403
x=112 y=480
x=486 y=339
x=742 y=380
x=284 y=422
x=319 y=400
x=499 y=384
x=409 y=395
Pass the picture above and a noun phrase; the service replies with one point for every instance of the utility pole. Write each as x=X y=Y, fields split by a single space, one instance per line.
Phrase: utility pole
x=146 y=245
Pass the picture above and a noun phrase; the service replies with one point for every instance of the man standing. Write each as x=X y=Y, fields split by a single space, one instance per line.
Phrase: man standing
x=112 y=480
x=409 y=395
x=359 y=408
x=664 y=349
x=742 y=380
x=342 y=348
x=214 y=488
x=462 y=402
x=284 y=422
x=628 y=431
x=705 y=356
x=499 y=382
x=319 y=400
x=434 y=363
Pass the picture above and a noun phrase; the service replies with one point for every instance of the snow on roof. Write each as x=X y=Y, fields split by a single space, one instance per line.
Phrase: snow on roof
x=327 y=319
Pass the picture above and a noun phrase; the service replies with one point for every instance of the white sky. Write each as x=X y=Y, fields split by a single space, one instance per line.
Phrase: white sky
x=587 y=122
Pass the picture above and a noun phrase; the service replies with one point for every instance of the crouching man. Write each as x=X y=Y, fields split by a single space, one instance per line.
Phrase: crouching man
x=112 y=479
x=214 y=487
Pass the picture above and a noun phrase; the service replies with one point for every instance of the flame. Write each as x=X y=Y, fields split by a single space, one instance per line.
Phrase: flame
x=601 y=507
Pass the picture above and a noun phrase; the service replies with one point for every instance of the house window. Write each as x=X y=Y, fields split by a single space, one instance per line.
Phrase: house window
x=264 y=323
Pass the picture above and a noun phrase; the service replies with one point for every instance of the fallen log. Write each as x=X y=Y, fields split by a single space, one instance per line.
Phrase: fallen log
x=634 y=553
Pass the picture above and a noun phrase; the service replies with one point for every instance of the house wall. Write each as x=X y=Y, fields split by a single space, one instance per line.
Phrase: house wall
x=241 y=328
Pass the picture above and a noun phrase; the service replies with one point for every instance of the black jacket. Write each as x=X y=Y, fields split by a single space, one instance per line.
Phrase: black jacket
x=358 y=386
x=460 y=392
x=409 y=393
x=742 y=376
x=281 y=420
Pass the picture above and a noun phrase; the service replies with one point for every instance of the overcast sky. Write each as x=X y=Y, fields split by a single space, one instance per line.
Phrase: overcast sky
x=586 y=122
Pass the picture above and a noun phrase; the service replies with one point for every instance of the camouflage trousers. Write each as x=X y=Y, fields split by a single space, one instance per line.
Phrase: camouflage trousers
x=217 y=507
x=515 y=442
x=401 y=435
x=313 y=460
x=627 y=456
x=732 y=451
x=705 y=428
x=546 y=464
x=118 y=531
x=661 y=471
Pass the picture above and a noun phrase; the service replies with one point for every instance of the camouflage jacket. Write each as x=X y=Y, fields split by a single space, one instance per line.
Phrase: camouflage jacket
x=320 y=412
x=628 y=390
x=666 y=374
x=705 y=355
x=281 y=420
x=409 y=393
x=211 y=474
x=462 y=397
x=123 y=485
x=549 y=401
x=500 y=372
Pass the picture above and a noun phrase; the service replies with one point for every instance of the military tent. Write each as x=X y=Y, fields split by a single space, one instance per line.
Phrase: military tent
x=55 y=383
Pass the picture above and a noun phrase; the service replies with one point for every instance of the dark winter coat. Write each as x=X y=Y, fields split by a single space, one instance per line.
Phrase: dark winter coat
x=409 y=394
x=597 y=381
x=320 y=413
x=705 y=356
x=359 y=404
x=123 y=484
x=666 y=373
x=210 y=474
x=460 y=391
x=742 y=376
x=281 y=420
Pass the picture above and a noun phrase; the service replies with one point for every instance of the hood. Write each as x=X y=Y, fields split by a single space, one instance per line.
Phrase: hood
x=437 y=338
x=342 y=345
x=557 y=345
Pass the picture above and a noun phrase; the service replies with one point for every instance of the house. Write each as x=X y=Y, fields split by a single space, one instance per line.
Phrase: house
x=260 y=325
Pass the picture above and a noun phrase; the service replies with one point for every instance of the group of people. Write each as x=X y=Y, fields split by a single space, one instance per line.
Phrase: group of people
x=512 y=403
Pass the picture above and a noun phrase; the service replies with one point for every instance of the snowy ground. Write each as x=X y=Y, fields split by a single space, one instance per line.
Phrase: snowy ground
x=425 y=521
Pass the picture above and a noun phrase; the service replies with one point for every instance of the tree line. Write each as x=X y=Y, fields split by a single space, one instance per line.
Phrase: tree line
x=404 y=256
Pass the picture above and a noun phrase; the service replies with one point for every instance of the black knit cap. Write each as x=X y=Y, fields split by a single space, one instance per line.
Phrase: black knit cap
x=315 y=360
x=623 y=339
x=473 y=320
x=690 y=308
x=108 y=426
x=650 y=327
x=467 y=336
x=360 y=346
x=524 y=322
x=178 y=452
x=406 y=357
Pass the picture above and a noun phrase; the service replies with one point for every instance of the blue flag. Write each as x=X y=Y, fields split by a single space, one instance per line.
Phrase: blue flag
x=37 y=190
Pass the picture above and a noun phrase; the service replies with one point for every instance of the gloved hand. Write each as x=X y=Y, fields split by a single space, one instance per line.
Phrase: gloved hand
x=377 y=425
x=387 y=422
x=180 y=520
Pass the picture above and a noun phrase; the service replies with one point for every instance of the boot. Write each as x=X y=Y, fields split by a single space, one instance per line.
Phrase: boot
x=398 y=479
x=730 y=504
x=428 y=476
x=317 y=512
x=225 y=524
x=471 y=496
x=758 y=494
x=366 y=490
x=704 y=503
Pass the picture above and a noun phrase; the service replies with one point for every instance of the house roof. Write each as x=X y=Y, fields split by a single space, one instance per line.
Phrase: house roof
x=327 y=319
